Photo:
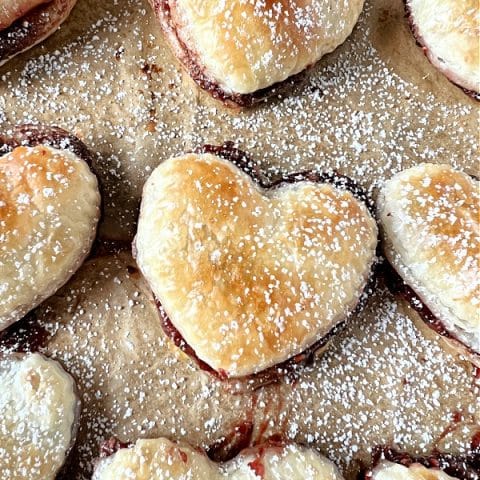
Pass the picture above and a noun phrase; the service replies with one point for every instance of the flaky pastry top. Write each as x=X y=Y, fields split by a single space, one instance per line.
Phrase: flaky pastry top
x=39 y=408
x=251 y=276
x=49 y=209
x=431 y=221
x=160 y=459
x=245 y=46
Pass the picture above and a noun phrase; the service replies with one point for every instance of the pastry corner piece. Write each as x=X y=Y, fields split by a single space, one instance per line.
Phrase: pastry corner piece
x=49 y=210
x=40 y=411
x=25 y=23
x=160 y=458
x=430 y=218
x=449 y=32
x=238 y=50
x=252 y=275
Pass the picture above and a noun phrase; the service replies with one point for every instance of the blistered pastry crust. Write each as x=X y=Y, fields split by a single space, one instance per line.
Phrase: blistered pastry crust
x=49 y=210
x=160 y=459
x=235 y=49
x=450 y=32
x=39 y=416
x=265 y=272
x=430 y=218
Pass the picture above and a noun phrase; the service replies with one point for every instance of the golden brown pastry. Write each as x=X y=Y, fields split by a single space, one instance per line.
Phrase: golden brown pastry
x=25 y=23
x=393 y=471
x=236 y=49
x=161 y=459
x=449 y=32
x=430 y=220
x=49 y=210
x=39 y=413
x=251 y=275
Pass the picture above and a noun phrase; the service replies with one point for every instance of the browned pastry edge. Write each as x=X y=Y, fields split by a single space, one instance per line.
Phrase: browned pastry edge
x=229 y=152
x=399 y=287
x=419 y=41
x=30 y=135
x=464 y=467
x=33 y=27
x=194 y=68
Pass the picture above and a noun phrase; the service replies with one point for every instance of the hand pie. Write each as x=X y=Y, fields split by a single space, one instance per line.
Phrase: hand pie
x=448 y=31
x=49 y=210
x=389 y=464
x=251 y=274
x=24 y=23
x=237 y=50
x=40 y=410
x=430 y=220
x=161 y=459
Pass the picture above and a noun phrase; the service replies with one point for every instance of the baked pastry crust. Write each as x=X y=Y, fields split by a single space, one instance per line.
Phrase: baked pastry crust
x=237 y=50
x=266 y=272
x=430 y=220
x=40 y=411
x=160 y=458
x=49 y=210
x=33 y=27
x=449 y=31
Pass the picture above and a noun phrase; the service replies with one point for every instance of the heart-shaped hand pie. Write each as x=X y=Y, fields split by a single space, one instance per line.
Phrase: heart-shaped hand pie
x=448 y=32
x=49 y=210
x=251 y=276
x=24 y=23
x=430 y=218
x=236 y=50
x=160 y=459
x=39 y=413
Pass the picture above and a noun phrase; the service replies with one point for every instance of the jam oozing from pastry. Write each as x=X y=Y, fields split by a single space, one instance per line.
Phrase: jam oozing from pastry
x=464 y=467
x=111 y=446
x=255 y=381
x=231 y=445
x=271 y=375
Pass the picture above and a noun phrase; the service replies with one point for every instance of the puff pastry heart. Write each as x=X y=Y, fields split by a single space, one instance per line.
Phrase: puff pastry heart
x=430 y=216
x=161 y=459
x=25 y=23
x=449 y=32
x=39 y=415
x=49 y=210
x=238 y=49
x=251 y=276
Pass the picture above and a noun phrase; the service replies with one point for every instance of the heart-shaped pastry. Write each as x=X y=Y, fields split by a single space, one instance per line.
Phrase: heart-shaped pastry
x=237 y=50
x=38 y=423
x=448 y=31
x=49 y=210
x=25 y=23
x=161 y=459
x=431 y=223
x=249 y=275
